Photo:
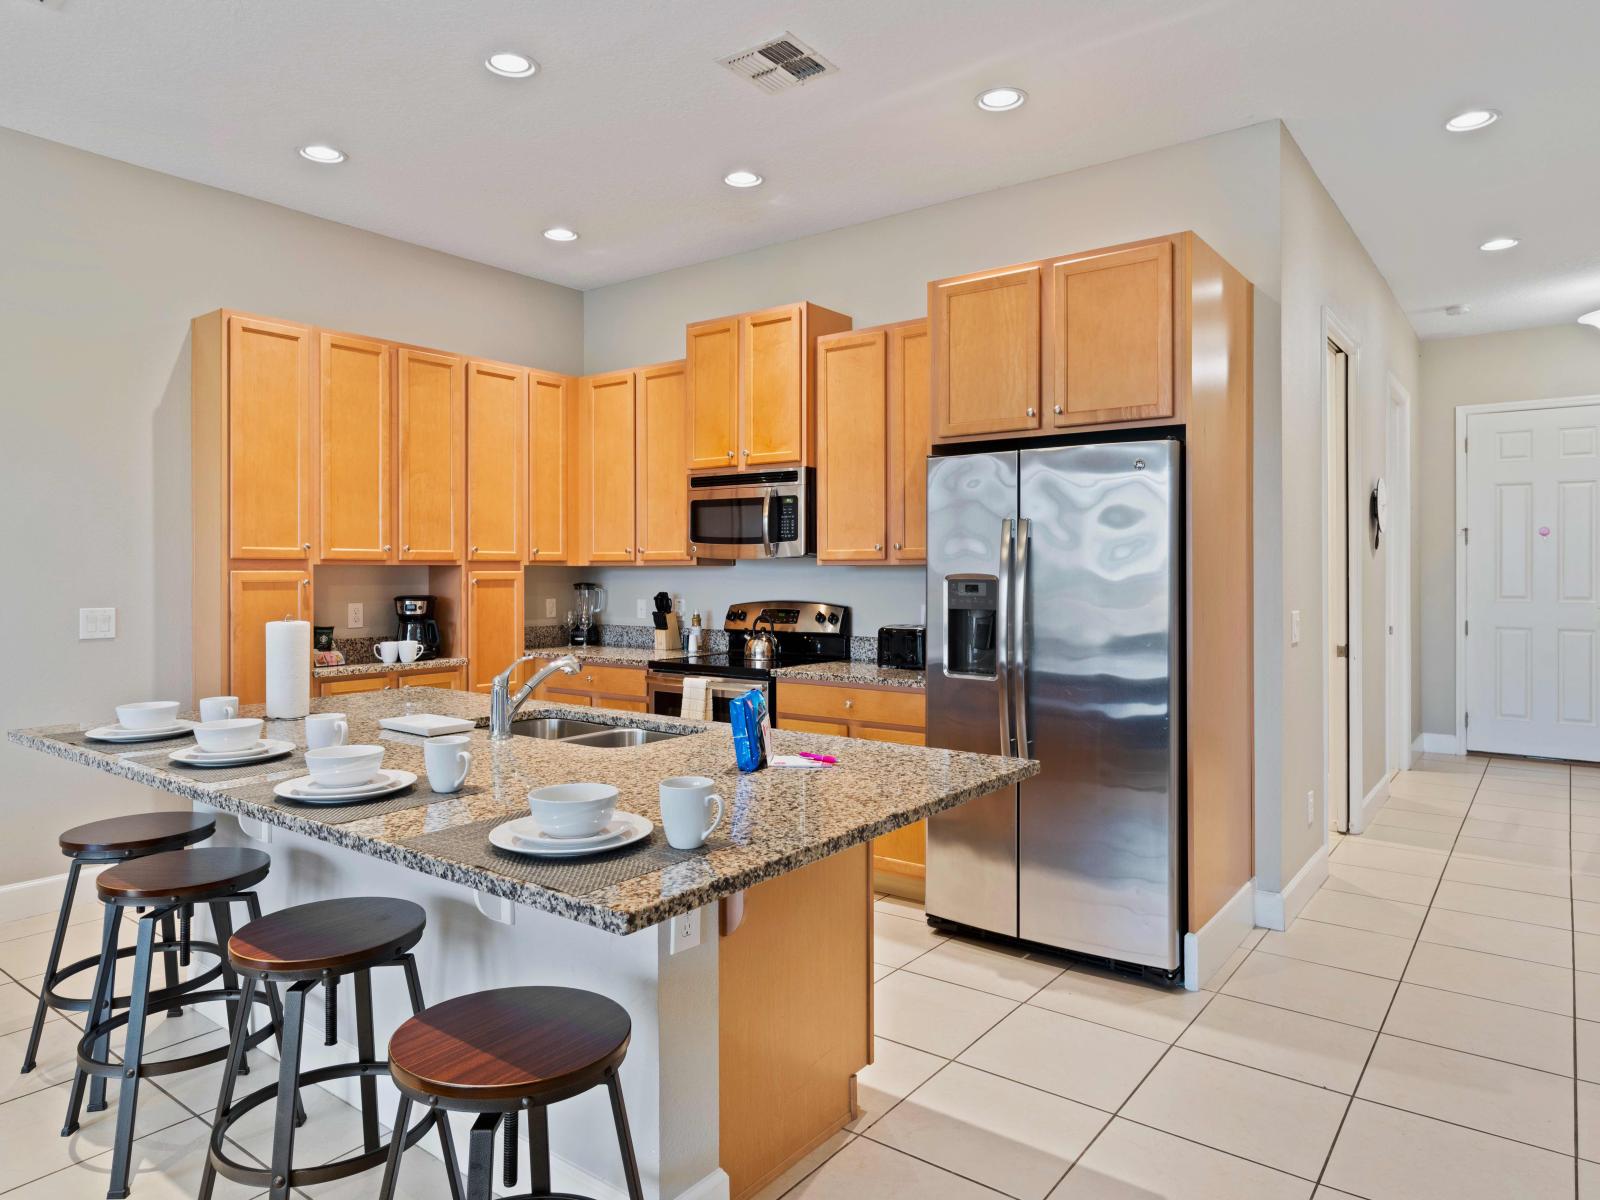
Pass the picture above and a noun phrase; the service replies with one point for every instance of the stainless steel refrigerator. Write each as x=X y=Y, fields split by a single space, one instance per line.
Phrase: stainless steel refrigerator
x=1054 y=611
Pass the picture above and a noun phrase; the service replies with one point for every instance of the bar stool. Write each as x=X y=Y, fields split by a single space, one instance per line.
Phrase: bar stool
x=114 y=840
x=498 y=1053
x=304 y=947
x=160 y=885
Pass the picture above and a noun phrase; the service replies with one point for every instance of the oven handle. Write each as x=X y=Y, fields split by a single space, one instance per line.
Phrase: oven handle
x=662 y=681
x=768 y=547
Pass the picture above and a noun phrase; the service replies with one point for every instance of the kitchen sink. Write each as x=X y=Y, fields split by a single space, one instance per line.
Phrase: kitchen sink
x=555 y=729
x=618 y=737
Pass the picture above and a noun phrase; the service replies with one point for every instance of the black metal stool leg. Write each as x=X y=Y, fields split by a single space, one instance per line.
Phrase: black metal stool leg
x=105 y=977
x=169 y=935
x=366 y=1051
x=132 y=1056
x=64 y=919
x=274 y=1003
x=539 y=1150
x=452 y=1168
x=288 y=1090
x=480 y=1157
x=222 y=922
x=397 y=1147
x=630 y=1166
x=230 y=1075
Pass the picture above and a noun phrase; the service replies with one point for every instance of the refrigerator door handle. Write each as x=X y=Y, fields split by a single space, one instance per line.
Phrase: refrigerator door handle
x=1019 y=666
x=1002 y=635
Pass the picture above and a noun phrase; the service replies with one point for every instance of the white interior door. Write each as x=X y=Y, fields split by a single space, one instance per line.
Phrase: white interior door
x=1532 y=546
x=1336 y=385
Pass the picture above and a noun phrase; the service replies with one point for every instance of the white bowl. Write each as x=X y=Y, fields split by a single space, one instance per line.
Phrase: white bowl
x=149 y=714
x=573 y=810
x=240 y=733
x=343 y=766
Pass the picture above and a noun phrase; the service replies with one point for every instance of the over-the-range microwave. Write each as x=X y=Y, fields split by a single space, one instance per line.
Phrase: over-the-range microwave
x=754 y=514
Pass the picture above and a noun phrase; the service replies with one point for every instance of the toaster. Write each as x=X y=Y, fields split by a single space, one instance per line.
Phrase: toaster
x=902 y=646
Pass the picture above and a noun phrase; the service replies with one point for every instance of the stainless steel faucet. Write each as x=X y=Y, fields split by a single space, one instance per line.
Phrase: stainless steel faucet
x=503 y=705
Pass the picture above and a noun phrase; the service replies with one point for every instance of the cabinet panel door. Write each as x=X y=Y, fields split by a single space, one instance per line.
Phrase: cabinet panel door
x=497 y=440
x=361 y=683
x=909 y=426
x=772 y=387
x=807 y=725
x=494 y=625
x=552 y=401
x=450 y=679
x=431 y=456
x=269 y=439
x=1109 y=355
x=354 y=415
x=852 y=447
x=662 y=451
x=254 y=598
x=607 y=468
x=985 y=331
x=711 y=363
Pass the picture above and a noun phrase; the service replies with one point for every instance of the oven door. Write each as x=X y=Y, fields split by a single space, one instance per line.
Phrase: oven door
x=766 y=520
x=666 y=693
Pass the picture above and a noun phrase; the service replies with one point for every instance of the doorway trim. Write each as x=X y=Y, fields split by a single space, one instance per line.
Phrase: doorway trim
x=1336 y=331
x=1463 y=413
x=1397 y=569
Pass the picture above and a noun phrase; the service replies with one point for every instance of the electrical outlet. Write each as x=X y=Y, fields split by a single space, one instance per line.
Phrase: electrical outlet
x=355 y=616
x=549 y=606
x=685 y=933
x=1294 y=627
x=96 y=623
x=644 y=613
x=1311 y=806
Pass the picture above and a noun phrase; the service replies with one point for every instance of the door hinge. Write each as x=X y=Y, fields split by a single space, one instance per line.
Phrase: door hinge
x=1466 y=535
x=1466 y=628
x=1341 y=651
x=1466 y=720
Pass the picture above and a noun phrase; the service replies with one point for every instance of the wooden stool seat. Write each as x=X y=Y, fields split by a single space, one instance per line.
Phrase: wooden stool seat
x=536 y=1044
x=208 y=872
x=139 y=834
x=327 y=937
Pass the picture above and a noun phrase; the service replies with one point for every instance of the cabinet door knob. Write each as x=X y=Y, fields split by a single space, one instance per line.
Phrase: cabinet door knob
x=746 y=454
x=305 y=583
x=534 y=553
x=1058 y=410
x=474 y=581
x=730 y=453
x=406 y=547
x=877 y=545
x=897 y=545
x=387 y=547
x=849 y=703
x=475 y=549
x=693 y=549
x=305 y=546
x=1033 y=412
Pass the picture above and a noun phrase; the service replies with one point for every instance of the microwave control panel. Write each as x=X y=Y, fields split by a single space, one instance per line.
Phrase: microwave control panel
x=785 y=519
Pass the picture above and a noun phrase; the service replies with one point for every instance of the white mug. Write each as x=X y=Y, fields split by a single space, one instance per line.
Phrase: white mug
x=386 y=651
x=326 y=729
x=448 y=761
x=408 y=651
x=219 y=708
x=685 y=801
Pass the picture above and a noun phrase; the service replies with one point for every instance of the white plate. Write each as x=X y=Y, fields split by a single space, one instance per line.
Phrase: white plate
x=522 y=836
x=388 y=782
x=265 y=751
x=121 y=733
x=425 y=724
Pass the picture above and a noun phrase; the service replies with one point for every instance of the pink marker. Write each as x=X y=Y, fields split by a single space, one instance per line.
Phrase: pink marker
x=821 y=758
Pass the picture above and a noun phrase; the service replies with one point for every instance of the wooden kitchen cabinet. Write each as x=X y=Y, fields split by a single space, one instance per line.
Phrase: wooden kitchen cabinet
x=986 y=353
x=494 y=624
x=910 y=365
x=380 y=680
x=450 y=679
x=552 y=435
x=354 y=472
x=661 y=490
x=711 y=372
x=269 y=485
x=254 y=598
x=431 y=465
x=497 y=462
x=607 y=448
x=349 y=685
x=594 y=686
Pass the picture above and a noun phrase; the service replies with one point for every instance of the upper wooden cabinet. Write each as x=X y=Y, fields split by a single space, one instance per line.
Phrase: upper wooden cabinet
x=497 y=462
x=431 y=456
x=254 y=598
x=354 y=474
x=269 y=439
x=752 y=387
x=552 y=435
x=985 y=331
x=661 y=491
x=1108 y=356
x=494 y=624
x=606 y=468
x=910 y=364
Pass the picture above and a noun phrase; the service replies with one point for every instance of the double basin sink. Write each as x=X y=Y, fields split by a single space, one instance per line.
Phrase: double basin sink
x=588 y=733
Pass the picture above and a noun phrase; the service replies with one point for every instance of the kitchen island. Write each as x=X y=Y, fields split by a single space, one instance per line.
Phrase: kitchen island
x=751 y=1010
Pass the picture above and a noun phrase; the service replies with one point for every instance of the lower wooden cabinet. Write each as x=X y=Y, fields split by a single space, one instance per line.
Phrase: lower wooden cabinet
x=494 y=625
x=453 y=678
x=593 y=686
x=254 y=598
x=346 y=685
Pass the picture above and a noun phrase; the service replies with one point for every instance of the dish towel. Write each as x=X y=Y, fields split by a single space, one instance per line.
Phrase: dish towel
x=696 y=699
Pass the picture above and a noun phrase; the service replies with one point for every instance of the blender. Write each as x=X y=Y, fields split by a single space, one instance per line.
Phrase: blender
x=586 y=628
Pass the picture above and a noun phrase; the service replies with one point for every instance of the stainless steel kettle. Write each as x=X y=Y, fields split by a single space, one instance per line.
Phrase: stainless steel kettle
x=761 y=647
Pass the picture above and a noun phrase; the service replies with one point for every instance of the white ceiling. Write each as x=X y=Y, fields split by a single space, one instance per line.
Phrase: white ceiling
x=627 y=130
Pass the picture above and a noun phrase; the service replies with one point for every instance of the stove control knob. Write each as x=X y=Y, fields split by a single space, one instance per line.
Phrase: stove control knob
x=833 y=618
x=821 y=619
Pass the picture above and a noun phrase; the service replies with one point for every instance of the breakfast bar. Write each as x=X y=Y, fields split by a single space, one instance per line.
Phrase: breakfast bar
x=744 y=965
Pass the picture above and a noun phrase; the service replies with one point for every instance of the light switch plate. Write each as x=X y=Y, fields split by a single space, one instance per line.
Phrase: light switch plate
x=1294 y=627
x=549 y=606
x=644 y=613
x=355 y=616
x=685 y=933
x=96 y=623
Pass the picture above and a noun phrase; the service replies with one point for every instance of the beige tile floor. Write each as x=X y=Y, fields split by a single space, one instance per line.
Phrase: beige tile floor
x=1429 y=1027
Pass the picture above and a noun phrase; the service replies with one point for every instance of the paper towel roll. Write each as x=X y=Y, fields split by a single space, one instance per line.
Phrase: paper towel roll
x=288 y=668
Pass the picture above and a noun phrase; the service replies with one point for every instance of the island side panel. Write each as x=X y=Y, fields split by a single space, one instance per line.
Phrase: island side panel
x=795 y=1005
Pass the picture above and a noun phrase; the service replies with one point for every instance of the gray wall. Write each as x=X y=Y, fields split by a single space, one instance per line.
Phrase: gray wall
x=1494 y=368
x=103 y=266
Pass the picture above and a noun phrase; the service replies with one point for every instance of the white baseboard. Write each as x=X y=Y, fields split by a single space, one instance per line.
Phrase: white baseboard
x=1367 y=807
x=1437 y=743
x=1274 y=910
x=35 y=897
x=1208 y=948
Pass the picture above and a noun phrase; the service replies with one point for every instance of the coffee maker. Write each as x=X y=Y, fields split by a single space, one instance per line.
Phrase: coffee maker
x=586 y=625
x=414 y=622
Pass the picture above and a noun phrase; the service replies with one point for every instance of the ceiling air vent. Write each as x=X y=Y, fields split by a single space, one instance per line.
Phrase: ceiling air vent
x=780 y=64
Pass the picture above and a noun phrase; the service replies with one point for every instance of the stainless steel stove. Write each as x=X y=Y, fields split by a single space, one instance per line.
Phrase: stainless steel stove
x=806 y=631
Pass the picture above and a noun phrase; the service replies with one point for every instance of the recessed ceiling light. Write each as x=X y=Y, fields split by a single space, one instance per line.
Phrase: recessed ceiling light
x=1457 y=310
x=511 y=65
x=741 y=179
x=1499 y=243
x=560 y=233
x=1001 y=99
x=1473 y=118
x=319 y=153
x=1591 y=318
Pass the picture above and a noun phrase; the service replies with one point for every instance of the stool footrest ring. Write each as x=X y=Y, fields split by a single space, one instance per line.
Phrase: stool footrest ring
x=159 y=997
x=90 y=1065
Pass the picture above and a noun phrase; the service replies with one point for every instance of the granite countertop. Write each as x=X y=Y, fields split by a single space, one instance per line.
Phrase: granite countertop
x=380 y=668
x=854 y=671
x=778 y=819
x=613 y=656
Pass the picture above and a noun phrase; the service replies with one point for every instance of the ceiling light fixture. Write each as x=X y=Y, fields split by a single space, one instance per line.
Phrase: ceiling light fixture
x=560 y=233
x=1499 y=243
x=318 y=153
x=1457 y=310
x=1001 y=99
x=1591 y=319
x=742 y=179
x=1473 y=118
x=511 y=65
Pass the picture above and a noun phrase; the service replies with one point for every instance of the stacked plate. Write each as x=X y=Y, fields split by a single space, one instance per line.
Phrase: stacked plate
x=523 y=836
x=305 y=790
x=265 y=750
x=119 y=732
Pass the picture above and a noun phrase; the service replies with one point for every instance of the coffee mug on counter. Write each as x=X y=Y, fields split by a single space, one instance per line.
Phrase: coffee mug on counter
x=448 y=761
x=387 y=652
x=326 y=729
x=219 y=708
x=685 y=802
x=408 y=651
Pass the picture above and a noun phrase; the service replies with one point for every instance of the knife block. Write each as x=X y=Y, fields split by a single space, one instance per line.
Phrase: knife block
x=669 y=638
